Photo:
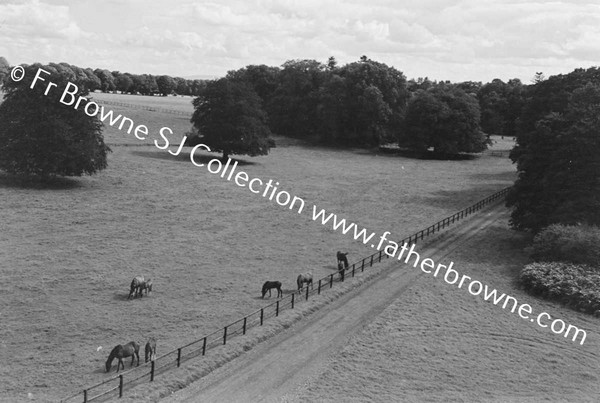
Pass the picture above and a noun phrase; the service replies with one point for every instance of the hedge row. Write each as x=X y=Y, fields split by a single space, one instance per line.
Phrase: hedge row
x=575 y=285
x=573 y=243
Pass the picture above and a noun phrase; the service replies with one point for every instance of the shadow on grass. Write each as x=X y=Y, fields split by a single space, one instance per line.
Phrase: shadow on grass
x=184 y=156
x=36 y=182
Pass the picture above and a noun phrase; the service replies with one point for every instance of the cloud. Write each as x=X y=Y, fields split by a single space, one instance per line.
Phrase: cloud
x=463 y=40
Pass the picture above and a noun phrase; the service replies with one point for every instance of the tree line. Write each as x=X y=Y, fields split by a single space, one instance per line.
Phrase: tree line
x=361 y=104
x=126 y=83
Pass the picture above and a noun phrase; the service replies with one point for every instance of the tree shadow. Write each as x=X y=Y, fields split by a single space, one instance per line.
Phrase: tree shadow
x=38 y=182
x=184 y=156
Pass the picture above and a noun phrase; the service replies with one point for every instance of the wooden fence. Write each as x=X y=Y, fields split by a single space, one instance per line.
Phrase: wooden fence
x=148 y=371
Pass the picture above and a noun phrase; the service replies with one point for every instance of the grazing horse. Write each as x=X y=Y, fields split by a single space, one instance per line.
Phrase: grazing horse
x=304 y=278
x=341 y=258
x=134 y=288
x=150 y=353
x=268 y=285
x=145 y=285
x=123 y=351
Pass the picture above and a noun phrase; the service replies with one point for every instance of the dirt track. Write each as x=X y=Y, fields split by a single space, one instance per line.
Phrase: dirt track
x=279 y=369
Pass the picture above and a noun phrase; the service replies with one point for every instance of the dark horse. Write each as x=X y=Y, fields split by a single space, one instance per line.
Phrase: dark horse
x=341 y=258
x=138 y=285
x=123 y=351
x=134 y=288
x=150 y=353
x=304 y=278
x=268 y=285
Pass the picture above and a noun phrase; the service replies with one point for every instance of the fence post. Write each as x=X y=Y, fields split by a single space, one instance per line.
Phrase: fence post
x=352 y=270
x=380 y=254
x=371 y=260
x=362 y=267
x=261 y=315
x=293 y=300
x=85 y=396
x=307 y=293
x=204 y=346
x=151 y=370
x=331 y=281
x=178 y=356
x=277 y=309
x=225 y=335
x=319 y=290
x=244 y=331
x=121 y=385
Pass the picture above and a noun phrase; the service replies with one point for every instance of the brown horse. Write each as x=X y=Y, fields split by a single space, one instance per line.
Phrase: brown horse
x=131 y=349
x=134 y=288
x=268 y=285
x=150 y=353
x=304 y=278
x=341 y=258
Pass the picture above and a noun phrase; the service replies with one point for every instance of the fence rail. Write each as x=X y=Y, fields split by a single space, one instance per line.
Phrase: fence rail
x=199 y=347
x=147 y=108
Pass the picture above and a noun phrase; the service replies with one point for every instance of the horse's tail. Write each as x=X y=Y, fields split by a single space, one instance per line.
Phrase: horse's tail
x=299 y=282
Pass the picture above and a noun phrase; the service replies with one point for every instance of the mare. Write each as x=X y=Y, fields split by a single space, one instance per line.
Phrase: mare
x=304 y=278
x=341 y=258
x=135 y=286
x=123 y=351
x=150 y=349
x=268 y=285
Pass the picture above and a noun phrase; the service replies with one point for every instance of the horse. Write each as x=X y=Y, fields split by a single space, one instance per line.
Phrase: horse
x=268 y=285
x=341 y=270
x=123 y=351
x=304 y=278
x=341 y=258
x=150 y=350
x=135 y=286
x=145 y=285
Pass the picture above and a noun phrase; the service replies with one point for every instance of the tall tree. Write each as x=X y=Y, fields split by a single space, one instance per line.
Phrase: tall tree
x=444 y=118
x=559 y=163
x=39 y=135
x=166 y=85
x=229 y=116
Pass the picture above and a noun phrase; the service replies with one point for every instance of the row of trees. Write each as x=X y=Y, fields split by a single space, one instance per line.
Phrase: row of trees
x=111 y=81
x=364 y=104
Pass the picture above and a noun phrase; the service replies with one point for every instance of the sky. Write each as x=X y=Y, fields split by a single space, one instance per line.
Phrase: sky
x=468 y=40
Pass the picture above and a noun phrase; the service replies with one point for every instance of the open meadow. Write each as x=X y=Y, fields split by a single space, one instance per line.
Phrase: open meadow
x=69 y=251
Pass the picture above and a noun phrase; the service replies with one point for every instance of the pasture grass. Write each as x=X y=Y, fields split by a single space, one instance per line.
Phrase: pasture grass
x=439 y=343
x=69 y=252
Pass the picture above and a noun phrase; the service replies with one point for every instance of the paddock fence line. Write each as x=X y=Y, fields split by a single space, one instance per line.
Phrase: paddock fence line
x=144 y=107
x=148 y=371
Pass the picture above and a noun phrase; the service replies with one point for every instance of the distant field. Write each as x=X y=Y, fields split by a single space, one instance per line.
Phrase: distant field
x=69 y=253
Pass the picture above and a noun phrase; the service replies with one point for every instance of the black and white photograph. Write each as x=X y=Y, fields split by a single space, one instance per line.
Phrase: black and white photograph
x=299 y=201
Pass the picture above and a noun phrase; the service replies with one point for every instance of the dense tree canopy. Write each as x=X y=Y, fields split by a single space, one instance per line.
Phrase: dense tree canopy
x=558 y=156
x=229 y=117
x=444 y=118
x=41 y=136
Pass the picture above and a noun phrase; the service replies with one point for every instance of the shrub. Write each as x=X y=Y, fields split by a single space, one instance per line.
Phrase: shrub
x=575 y=244
x=575 y=285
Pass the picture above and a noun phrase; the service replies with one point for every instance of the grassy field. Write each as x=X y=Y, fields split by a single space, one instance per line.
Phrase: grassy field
x=438 y=343
x=69 y=252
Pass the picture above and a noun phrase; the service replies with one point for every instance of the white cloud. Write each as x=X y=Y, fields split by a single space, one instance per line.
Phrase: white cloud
x=467 y=39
